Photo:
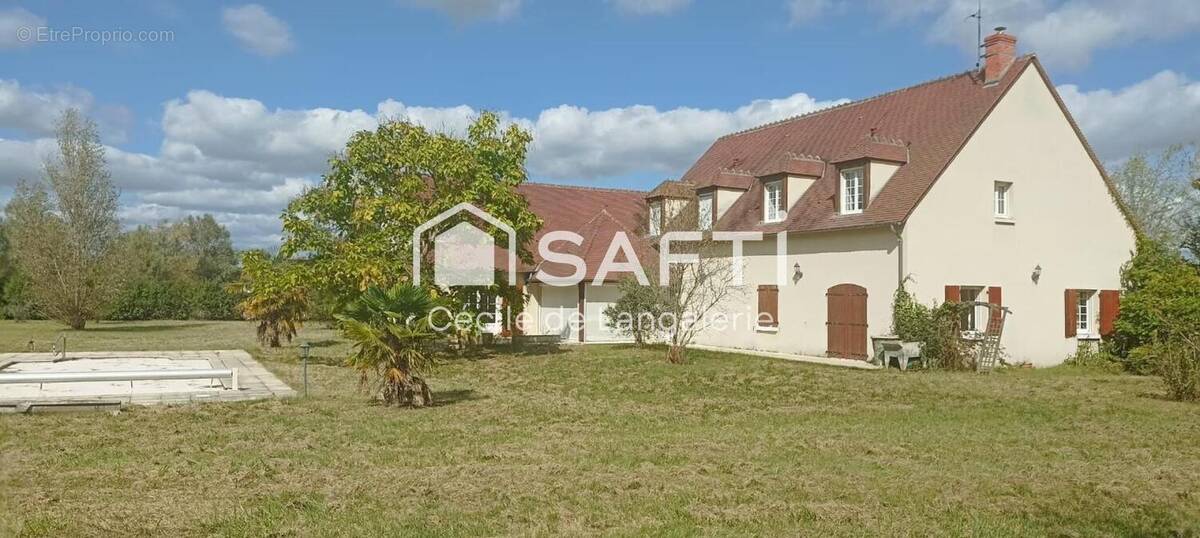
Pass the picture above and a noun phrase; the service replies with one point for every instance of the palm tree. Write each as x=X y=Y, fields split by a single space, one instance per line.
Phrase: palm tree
x=390 y=330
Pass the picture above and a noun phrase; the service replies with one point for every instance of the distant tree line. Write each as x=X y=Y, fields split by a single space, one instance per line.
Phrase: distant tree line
x=64 y=257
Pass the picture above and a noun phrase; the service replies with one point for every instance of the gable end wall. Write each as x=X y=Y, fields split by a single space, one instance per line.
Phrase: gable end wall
x=1064 y=220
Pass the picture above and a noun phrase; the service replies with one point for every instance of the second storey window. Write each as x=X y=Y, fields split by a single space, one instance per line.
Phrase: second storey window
x=852 y=194
x=655 y=218
x=1002 y=204
x=773 y=201
x=705 y=217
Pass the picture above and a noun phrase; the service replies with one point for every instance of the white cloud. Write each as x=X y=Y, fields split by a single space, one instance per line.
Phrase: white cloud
x=232 y=199
x=650 y=7
x=576 y=143
x=804 y=11
x=257 y=30
x=37 y=112
x=1065 y=34
x=207 y=125
x=464 y=11
x=1150 y=115
x=18 y=27
x=243 y=161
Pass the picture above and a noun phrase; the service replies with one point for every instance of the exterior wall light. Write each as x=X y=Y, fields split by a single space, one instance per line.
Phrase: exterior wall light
x=797 y=274
x=1037 y=274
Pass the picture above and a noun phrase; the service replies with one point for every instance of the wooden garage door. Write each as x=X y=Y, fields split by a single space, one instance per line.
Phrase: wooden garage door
x=847 y=321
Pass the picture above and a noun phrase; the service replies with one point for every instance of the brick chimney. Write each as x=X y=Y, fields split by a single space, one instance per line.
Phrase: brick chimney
x=999 y=51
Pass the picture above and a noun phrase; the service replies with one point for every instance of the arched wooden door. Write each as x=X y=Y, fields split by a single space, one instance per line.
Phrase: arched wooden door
x=846 y=321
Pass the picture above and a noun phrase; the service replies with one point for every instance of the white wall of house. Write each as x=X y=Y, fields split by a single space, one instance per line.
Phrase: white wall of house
x=1064 y=219
x=725 y=198
x=881 y=173
x=863 y=257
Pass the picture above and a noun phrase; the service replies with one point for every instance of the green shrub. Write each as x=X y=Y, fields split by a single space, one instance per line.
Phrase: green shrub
x=636 y=313
x=1089 y=356
x=935 y=328
x=1161 y=292
x=1177 y=361
x=156 y=299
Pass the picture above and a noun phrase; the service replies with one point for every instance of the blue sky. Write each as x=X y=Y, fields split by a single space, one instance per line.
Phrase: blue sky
x=238 y=110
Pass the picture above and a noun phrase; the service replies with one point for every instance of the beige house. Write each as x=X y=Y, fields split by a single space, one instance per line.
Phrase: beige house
x=976 y=186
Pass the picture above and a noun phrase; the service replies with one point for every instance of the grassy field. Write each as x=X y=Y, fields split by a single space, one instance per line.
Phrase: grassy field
x=608 y=440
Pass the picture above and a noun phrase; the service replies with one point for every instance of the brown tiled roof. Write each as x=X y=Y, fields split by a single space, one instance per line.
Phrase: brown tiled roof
x=731 y=178
x=933 y=119
x=594 y=213
x=795 y=164
x=671 y=189
x=875 y=147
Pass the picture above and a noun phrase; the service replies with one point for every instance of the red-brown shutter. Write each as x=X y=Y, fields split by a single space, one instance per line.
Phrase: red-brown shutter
x=994 y=296
x=1071 y=303
x=952 y=295
x=1110 y=306
x=768 y=305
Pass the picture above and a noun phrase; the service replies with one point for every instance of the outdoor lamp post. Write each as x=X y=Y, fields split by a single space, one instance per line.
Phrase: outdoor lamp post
x=304 y=355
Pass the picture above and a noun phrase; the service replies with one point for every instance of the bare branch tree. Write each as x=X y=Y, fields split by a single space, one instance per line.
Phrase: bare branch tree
x=1156 y=190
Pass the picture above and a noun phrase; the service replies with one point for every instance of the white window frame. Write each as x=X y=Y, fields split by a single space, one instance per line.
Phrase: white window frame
x=853 y=205
x=773 y=212
x=1002 y=200
x=977 y=316
x=1085 y=313
x=655 y=218
x=705 y=218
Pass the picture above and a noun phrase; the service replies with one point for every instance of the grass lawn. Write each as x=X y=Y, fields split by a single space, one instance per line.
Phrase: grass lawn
x=608 y=440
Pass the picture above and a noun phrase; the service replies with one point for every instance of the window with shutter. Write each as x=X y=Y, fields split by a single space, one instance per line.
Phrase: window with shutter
x=768 y=306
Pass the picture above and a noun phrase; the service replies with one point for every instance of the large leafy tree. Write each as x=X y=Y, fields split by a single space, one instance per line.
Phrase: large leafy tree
x=62 y=230
x=355 y=228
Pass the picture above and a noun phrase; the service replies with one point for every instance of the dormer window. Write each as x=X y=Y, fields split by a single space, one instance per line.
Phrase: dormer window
x=655 y=218
x=852 y=191
x=705 y=212
x=773 y=210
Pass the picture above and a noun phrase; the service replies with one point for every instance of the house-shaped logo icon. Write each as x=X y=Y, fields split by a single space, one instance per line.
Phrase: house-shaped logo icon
x=464 y=255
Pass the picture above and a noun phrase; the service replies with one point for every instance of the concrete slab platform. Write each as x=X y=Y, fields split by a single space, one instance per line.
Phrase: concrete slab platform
x=255 y=382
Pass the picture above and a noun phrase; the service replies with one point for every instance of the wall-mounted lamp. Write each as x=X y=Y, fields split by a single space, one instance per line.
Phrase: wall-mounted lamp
x=1037 y=274
x=797 y=274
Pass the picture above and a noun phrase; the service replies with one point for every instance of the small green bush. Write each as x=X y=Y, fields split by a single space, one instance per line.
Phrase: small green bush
x=935 y=328
x=1092 y=357
x=1177 y=361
